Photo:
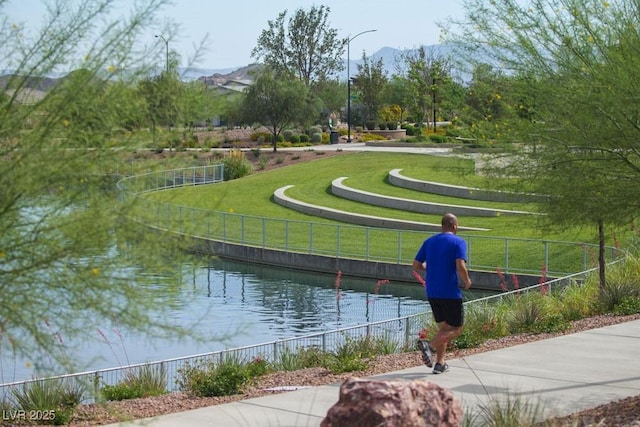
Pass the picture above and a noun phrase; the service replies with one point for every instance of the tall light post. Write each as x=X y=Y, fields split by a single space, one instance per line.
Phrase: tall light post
x=166 y=43
x=349 y=83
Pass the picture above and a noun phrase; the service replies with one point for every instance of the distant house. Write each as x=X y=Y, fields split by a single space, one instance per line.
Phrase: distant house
x=26 y=96
x=227 y=87
x=232 y=86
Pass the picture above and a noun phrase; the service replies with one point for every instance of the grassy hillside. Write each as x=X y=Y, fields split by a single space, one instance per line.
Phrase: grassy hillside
x=252 y=195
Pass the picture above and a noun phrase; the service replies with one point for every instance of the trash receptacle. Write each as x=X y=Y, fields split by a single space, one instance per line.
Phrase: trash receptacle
x=334 y=136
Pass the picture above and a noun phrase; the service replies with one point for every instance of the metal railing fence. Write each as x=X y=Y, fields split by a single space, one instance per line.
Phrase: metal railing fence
x=400 y=333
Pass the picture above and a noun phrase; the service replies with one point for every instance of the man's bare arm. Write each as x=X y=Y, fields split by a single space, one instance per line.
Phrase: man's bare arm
x=418 y=266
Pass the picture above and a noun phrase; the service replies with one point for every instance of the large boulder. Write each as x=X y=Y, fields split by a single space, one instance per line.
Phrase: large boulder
x=368 y=403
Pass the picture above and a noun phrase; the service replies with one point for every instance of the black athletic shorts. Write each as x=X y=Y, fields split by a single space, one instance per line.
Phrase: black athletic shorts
x=447 y=310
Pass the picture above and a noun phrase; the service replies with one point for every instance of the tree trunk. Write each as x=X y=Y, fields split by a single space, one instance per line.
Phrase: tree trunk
x=275 y=139
x=601 y=258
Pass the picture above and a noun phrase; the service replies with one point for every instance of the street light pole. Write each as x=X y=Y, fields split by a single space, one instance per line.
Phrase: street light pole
x=166 y=43
x=349 y=83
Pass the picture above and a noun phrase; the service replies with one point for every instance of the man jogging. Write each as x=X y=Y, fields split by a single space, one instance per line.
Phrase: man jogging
x=444 y=258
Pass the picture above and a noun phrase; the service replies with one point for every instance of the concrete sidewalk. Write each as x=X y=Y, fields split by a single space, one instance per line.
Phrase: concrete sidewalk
x=564 y=375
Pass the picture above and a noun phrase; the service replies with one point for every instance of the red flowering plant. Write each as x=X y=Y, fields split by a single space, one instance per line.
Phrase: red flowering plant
x=502 y=280
x=337 y=285
x=544 y=289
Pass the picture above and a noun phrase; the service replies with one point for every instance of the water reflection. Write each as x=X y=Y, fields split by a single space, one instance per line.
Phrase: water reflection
x=235 y=304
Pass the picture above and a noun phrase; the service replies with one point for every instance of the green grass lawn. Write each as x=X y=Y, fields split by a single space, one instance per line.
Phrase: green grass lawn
x=252 y=195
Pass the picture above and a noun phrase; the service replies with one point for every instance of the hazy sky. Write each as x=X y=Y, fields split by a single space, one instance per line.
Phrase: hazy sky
x=234 y=26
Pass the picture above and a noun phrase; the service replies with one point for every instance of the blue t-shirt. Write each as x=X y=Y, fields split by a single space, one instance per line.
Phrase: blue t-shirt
x=440 y=253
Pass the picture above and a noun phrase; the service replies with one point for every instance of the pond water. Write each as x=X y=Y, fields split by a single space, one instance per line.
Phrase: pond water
x=237 y=304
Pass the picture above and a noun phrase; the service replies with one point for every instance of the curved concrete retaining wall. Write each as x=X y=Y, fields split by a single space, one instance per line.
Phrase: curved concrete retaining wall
x=399 y=180
x=351 y=267
x=341 y=190
x=391 y=134
x=366 y=220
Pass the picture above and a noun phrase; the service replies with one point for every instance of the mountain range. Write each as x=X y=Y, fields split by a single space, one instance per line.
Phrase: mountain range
x=390 y=58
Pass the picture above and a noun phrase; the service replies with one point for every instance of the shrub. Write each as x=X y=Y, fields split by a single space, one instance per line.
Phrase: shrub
x=507 y=412
x=351 y=356
x=386 y=345
x=622 y=281
x=312 y=357
x=578 y=301
x=392 y=125
x=628 y=305
x=339 y=365
x=174 y=141
x=534 y=312
x=294 y=139
x=410 y=129
x=145 y=381
x=189 y=140
x=56 y=397
x=370 y=125
x=372 y=137
x=304 y=137
x=211 y=143
x=417 y=138
x=258 y=367
x=256 y=152
x=482 y=322
x=438 y=139
x=316 y=138
x=262 y=162
x=287 y=360
x=207 y=379
x=264 y=136
x=287 y=134
x=236 y=166
x=382 y=125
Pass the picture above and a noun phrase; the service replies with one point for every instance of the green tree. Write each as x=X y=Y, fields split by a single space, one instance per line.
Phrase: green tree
x=90 y=123
x=486 y=102
x=397 y=93
x=197 y=104
x=371 y=82
x=278 y=104
x=580 y=59
x=161 y=93
x=308 y=49
x=427 y=74
x=331 y=93
x=67 y=252
x=129 y=111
